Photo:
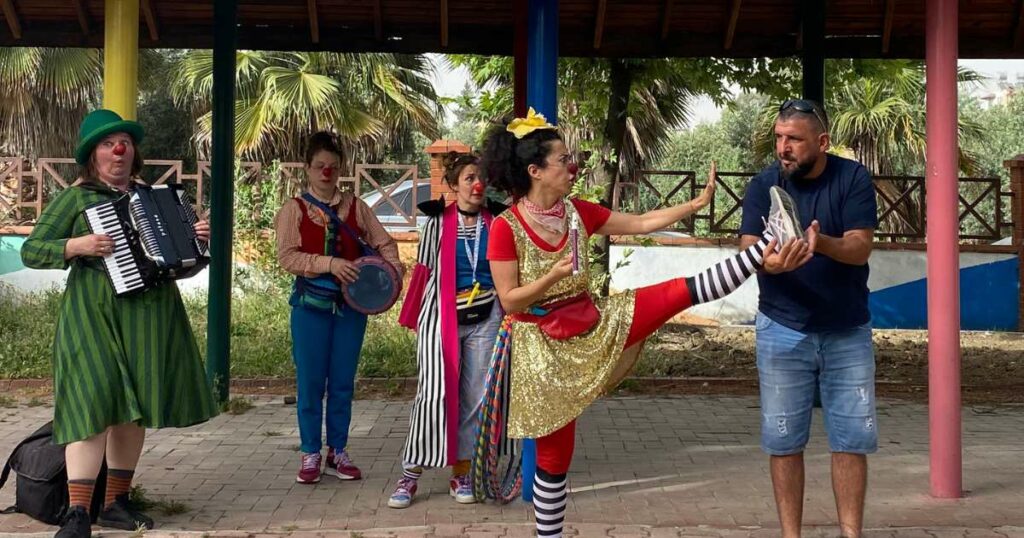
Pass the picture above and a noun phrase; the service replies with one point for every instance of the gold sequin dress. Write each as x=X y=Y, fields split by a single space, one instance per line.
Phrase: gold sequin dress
x=553 y=381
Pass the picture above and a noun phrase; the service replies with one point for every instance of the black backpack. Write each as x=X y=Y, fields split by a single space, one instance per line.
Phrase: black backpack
x=41 y=490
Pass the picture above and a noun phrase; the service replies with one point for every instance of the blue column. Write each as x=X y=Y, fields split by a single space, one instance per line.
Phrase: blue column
x=542 y=95
x=542 y=58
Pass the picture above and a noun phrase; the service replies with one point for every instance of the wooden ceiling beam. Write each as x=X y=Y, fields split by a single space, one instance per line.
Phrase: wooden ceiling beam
x=890 y=11
x=83 y=15
x=444 y=23
x=602 y=7
x=378 y=21
x=12 y=18
x=149 y=13
x=1018 y=29
x=666 y=18
x=734 y=17
x=314 y=21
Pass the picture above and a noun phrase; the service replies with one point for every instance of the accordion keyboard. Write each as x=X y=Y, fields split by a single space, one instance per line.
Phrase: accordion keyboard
x=120 y=264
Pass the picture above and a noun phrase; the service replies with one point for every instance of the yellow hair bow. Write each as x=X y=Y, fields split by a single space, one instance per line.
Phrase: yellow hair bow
x=521 y=127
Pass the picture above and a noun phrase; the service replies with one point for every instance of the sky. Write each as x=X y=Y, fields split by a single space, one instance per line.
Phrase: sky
x=449 y=82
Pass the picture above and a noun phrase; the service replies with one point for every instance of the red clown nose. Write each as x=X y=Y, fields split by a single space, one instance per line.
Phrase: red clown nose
x=120 y=149
x=478 y=187
x=328 y=171
x=573 y=169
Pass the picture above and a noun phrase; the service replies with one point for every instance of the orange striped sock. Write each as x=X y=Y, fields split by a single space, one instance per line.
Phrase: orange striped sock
x=80 y=492
x=118 y=481
x=461 y=468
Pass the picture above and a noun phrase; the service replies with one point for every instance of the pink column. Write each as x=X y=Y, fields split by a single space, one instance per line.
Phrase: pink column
x=943 y=250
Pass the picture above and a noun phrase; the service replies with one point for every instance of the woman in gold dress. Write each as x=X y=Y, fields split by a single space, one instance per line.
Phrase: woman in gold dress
x=568 y=347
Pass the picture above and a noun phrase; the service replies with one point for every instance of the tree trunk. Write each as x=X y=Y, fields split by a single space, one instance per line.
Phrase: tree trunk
x=620 y=77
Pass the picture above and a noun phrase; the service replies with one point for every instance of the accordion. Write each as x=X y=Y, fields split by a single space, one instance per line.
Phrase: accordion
x=153 y=228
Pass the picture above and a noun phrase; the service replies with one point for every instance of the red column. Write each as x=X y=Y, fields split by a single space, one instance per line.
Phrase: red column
x=943 y=250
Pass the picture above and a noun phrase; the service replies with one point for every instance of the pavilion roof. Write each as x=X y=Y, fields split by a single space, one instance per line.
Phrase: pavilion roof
x=619 y=28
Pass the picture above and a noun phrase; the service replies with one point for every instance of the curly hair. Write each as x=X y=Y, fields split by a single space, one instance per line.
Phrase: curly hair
x=323 y=141
x=454 y=162
x=505 y=158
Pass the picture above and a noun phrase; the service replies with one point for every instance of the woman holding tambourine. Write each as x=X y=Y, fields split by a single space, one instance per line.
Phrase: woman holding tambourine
x=346 y=266
x=452 y=306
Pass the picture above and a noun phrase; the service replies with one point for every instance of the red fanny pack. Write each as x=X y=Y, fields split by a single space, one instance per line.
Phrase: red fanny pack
x=565 y=318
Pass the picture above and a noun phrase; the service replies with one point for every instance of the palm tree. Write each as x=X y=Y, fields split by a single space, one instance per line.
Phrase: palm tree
x=881 y=121
x=43 y=91
x=371 y=100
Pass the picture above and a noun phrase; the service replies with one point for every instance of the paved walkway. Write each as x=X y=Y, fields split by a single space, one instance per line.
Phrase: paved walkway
x=658 y=467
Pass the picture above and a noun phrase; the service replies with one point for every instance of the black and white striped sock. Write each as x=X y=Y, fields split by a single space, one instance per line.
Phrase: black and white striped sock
x=725 y=276
x=412 y=471
x=549 y=498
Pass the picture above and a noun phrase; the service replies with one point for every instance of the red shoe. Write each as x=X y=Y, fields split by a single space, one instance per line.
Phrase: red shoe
x=341 y=466
x=309 y=473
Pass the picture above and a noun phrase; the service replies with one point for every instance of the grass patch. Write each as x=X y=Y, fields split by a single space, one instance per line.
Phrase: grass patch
x=272 y=433
x=138 y=500
x=35 y=402
x=260 y=335
x=27 y=324
x=7 y=401
x=237 y=406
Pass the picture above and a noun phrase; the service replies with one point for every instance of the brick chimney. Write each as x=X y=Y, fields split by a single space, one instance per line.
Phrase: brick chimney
x=437 y=151
x=1016 y=167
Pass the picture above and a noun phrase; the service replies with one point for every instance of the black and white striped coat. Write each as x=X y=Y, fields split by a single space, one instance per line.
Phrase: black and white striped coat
x=434 y=415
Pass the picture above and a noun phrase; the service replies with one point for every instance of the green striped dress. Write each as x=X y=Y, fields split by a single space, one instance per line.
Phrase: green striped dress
x=115 y=360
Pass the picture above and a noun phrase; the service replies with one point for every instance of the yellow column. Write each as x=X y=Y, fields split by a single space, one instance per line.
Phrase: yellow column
x=121 y=57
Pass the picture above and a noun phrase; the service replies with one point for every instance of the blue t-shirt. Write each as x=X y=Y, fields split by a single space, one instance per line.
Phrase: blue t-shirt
x=464 y=270
x=823 y=294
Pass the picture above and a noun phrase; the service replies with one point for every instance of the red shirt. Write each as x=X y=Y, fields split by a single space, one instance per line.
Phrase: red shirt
x=314 y=235
x=501 y=246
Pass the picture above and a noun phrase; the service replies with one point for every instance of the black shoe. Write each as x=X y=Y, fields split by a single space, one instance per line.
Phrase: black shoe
x=75 y=524
x=120 y=515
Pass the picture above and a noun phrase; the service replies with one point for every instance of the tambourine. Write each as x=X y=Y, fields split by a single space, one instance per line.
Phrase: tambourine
x=375 y=289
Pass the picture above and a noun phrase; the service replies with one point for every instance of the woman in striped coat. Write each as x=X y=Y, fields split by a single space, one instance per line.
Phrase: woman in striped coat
x=120 y=364
x=452 y=306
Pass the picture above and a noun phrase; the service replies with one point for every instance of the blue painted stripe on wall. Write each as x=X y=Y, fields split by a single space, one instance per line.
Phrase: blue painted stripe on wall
x=10 y=253
x=988 y=300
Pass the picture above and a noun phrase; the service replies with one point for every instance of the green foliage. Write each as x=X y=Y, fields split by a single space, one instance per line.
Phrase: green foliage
x=1004 y=124
x=238 y=405
x=27 y=325
x=44 y=94
x=260 y=336
x=371 y=100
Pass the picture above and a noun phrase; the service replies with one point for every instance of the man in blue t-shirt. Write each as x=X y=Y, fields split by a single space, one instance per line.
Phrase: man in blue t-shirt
x=813 y=324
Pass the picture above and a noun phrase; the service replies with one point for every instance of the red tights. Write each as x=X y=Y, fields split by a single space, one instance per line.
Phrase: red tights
x=654 y=306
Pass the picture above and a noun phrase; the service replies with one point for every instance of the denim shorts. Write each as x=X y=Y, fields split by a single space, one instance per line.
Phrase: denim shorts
x=792 y=364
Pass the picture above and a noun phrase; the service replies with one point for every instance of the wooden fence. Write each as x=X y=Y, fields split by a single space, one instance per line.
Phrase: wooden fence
x=26 y=186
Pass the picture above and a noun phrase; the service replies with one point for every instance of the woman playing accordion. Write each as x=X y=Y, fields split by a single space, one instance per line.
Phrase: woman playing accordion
x=121 y=364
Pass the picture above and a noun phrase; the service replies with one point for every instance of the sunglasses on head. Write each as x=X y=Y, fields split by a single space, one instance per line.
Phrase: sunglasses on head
x=805 y=106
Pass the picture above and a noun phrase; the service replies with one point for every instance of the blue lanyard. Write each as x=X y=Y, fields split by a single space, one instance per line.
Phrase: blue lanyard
x=474 y=255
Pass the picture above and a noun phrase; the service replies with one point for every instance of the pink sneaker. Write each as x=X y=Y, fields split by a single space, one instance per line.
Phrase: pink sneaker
x=341 y=466
x=310 y=471
x=461 y=489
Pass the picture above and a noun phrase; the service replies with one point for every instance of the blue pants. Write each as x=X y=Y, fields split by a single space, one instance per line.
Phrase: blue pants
x=792 y=364
x=477 y=347
x=325 y=348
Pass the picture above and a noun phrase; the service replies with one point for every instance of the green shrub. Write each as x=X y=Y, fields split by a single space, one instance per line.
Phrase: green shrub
x=260 y=335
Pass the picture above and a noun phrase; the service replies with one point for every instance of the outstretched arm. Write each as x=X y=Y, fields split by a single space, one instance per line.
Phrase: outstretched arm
x=627 y=224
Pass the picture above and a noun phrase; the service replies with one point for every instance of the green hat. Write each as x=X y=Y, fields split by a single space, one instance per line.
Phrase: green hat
x=98 y=124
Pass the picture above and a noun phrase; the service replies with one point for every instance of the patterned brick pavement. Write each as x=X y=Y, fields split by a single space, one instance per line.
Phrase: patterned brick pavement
x=650 y=467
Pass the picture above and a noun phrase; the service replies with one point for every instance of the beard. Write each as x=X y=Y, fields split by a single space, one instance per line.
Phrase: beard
x=799 y=171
